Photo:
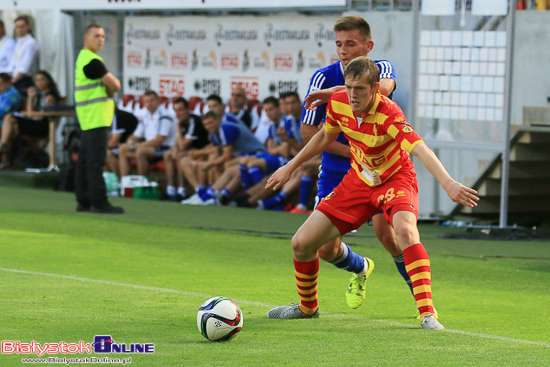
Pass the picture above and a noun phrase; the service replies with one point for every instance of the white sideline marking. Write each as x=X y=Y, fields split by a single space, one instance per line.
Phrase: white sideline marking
x=167 y=290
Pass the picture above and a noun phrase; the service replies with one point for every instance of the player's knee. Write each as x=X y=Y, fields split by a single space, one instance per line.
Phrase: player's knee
x=405 y=232
x=300 y=244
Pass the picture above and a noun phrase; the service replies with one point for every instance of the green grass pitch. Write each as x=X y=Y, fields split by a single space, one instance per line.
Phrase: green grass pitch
x=140 y=277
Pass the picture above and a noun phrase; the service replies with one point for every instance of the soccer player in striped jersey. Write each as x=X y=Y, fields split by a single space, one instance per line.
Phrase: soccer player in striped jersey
x=382 y=177
x=353 y=39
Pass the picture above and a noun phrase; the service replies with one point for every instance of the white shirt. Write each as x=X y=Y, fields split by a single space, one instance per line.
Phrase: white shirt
x=157 y=123
x=24 y=57
x=7 y=48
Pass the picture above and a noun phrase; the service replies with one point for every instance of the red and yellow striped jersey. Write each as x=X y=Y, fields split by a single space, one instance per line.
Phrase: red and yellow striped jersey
x=380 y=143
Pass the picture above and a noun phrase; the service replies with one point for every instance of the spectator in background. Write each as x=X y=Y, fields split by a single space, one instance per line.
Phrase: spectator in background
x=44 y=94
x=191 y=135
x=237 y=106
x=7 y=48
x=25 y=57
x=154 y=135
x=95 y=88
x=124 y=124
x=232 y=140
x=10 y=100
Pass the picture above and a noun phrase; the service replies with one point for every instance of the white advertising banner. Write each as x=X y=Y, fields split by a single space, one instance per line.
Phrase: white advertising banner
x=168 y=4
x=199 y=56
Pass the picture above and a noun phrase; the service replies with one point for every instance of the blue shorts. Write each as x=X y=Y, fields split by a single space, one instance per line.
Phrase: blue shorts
x=272 y=162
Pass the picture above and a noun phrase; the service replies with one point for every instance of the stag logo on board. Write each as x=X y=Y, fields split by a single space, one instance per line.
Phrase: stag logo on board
x=324 y=35
x=141 y=34
x=275 y=35
x=229 y=61
x=139 y=84
x=283 y=62
x=234 y=35
x=134 y=59
x=208 y=86
x=179 y=60
x=283 y=86
x=171 y=85
x=249 y=83
x=184 y=34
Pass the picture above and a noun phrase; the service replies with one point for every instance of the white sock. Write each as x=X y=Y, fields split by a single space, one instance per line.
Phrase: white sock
x=365 y=269
x=170 y=190
x=181 y=191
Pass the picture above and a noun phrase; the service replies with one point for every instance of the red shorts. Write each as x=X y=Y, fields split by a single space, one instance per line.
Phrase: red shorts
x=353 y=202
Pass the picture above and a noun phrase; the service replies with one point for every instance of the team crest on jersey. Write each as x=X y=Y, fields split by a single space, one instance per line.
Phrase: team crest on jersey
x=407 y=129
x=329 y=196
x=345 y=121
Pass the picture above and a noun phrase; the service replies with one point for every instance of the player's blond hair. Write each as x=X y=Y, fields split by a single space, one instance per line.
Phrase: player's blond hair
x=351 y=23
x=361 y=66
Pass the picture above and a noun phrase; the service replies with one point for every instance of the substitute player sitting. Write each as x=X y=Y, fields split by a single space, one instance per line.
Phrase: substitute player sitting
x=381 y=177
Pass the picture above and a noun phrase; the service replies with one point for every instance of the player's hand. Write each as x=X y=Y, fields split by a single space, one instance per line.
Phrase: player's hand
x=32 y=92
x=279 y=178
x=281 y=132
x=462 y=195
x=317 y=98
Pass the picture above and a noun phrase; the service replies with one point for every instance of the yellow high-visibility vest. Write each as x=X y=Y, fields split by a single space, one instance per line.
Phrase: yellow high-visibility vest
x=94 y=107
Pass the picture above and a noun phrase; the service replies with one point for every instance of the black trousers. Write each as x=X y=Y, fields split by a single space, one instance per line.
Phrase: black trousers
x=89 y=184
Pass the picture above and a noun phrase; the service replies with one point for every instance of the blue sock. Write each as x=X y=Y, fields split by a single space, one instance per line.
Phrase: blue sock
x=201 y=190
x=209 y=194
x=279 y=207
x=350 y=261
x=256 y=173
x=306 y=185
x=246 y=179
x=400 y=263
x=276 y=200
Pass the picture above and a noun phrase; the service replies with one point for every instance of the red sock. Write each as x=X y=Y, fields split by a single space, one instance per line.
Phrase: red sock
x=306 y=279
x=417 y=264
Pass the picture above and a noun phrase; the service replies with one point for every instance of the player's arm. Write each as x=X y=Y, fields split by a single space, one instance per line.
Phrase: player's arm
x=315 y=146
x=112 y=84
x=320 y=97
x=114 y=140
x=156 y=142
x=457 y=192
x=335 y=147
x=225 y=156
x=387 y=86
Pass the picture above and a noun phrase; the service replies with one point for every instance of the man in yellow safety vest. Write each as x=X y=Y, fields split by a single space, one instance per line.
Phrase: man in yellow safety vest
x=95 y=88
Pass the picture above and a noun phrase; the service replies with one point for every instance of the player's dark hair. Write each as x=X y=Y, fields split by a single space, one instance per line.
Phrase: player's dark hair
x=91 y=26
x=150 y=92
x=24 y=18
x=361 y=66
x=5 y=77
x=214 y=97
x=211 y=115
x=182 y=100
x=353 y=22
x=290 y=94
x=274 y=101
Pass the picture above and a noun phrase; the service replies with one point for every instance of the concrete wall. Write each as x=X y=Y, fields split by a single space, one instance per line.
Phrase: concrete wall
x=531 y=73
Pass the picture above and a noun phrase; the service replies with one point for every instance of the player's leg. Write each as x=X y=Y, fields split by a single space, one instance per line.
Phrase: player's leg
x=143 y=155
x=169 y=170
x=340 y=254
x=385 y=234
x=305 y=244
x=417 y=263
x=112 y=161
x=257 y=168
x=124 y=156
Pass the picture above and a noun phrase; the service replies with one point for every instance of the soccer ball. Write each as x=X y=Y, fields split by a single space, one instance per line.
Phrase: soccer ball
x=219 y=319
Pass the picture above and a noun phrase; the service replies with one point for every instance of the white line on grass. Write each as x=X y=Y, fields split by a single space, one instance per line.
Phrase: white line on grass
x=167 y=290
